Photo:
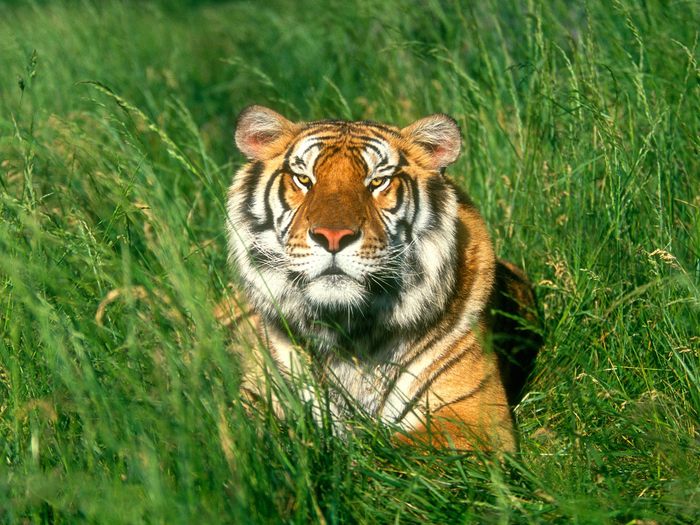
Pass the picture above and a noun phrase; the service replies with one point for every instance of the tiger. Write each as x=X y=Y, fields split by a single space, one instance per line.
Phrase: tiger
x=362 y=259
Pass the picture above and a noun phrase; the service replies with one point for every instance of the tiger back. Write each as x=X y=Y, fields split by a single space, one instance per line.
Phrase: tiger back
x=363 y=259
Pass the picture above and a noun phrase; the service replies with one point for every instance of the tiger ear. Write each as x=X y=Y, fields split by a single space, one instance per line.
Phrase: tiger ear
x=261 y=132
x=439 y=135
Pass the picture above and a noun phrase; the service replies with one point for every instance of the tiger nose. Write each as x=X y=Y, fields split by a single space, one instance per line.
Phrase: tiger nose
x=333 y=240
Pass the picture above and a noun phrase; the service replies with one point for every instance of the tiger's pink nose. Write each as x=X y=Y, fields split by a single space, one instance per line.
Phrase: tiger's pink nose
x=333 y=240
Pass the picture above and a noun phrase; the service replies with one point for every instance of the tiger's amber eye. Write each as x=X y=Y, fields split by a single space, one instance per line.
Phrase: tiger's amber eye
x=303 y=180
x=375 y=183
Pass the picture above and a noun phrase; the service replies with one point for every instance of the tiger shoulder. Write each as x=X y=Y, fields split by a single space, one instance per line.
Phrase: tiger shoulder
x=365 y=264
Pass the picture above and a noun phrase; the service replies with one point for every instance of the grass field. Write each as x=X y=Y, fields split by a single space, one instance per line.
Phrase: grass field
x=118 y=393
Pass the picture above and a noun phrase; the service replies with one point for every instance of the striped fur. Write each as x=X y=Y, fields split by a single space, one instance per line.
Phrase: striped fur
x=353 y=244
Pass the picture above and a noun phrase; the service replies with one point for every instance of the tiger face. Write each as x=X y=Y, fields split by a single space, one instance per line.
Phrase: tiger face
x=351 y=221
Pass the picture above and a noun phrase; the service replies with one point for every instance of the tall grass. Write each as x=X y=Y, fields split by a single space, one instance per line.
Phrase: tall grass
x=119 y=394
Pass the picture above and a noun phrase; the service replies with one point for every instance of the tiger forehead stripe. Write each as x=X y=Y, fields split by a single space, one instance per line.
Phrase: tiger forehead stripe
x=303 y=156
x=376 y=152
x=379 y=155
x=361 y=125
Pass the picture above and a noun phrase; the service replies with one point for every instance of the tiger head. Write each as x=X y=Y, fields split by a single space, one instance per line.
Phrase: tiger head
x=352 y=221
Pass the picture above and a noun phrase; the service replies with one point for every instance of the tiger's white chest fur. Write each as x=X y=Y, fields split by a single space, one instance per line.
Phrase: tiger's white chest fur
x=373 y=385
x=388 y=384
x=365 y=385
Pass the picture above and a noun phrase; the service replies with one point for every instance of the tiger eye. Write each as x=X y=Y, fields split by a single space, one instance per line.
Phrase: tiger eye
x=303 y=180
x=375 y=183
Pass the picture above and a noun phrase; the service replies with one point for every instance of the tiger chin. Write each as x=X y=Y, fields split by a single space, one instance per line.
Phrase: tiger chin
x=364 y=261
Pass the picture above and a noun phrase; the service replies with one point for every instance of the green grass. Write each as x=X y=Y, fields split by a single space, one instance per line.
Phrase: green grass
x=581 y=129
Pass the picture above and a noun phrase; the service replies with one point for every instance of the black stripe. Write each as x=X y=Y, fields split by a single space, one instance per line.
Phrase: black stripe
x=359 y=162
x=281 y=191
x=318 y=143
x=318 y=138
x=294 y=276
x=377 y=125
x=407 y=227
x=266 y=223
x=389 y=285
x=281 y=195
x=377 y=150
x=285 y=230
x=258 y=256
x=385 y=221
x=328 y=150
x=437 y=193
x=399 y=197
x=463 y=397
x=402 y=161
x=429 y=382
x=367 y=138
x=413 y=186
x=252 y=177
